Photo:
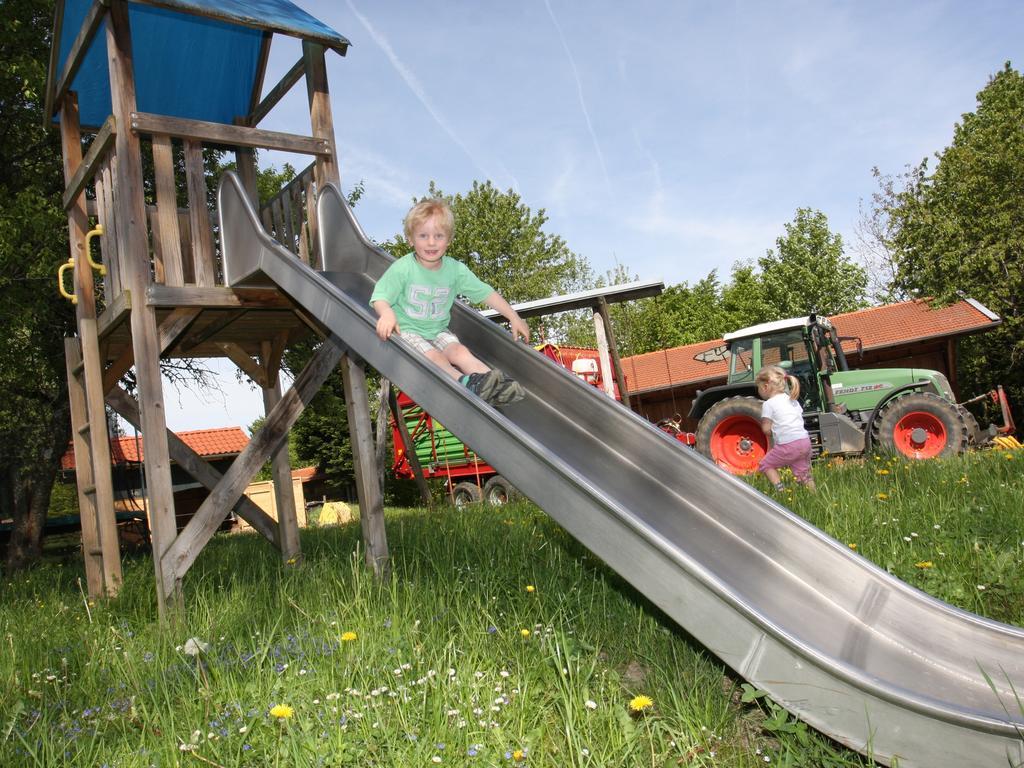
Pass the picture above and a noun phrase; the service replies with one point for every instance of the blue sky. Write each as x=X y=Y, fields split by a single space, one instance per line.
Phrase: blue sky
x=669 y=137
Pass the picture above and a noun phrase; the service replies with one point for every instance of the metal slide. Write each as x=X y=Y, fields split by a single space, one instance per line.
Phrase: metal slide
x=857 y=654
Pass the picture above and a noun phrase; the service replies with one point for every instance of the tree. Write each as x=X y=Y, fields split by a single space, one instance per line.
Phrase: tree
x=959 y=231
x=809 y=272
x=34 y=412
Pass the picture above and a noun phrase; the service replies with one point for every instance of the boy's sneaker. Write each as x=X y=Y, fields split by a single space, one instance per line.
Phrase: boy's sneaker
x=483 y=385
x=508 y=391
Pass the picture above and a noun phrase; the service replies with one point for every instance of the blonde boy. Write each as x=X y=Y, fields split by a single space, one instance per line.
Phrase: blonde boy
x=414 y=298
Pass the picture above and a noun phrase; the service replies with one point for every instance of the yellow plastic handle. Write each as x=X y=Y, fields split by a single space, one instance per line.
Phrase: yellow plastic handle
x=88 y=254
x=69 y=264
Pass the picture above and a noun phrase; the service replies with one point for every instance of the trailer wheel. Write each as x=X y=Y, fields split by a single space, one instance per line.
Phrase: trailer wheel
x=464 y=494
x=730 y=435
x=499 y=491
x=922 y=426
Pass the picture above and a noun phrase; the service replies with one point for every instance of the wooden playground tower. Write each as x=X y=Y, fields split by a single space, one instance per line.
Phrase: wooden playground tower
x=159 y=293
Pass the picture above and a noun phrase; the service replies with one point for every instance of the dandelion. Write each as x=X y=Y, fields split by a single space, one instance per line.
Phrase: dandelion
x=924 y=564
x=518 y=755
x=524 y=632
x=882 y=472
x=882 y=496
x=348 y=637
x=852 y=545
x=530 y=588
x=281 y=711
x=641 y=703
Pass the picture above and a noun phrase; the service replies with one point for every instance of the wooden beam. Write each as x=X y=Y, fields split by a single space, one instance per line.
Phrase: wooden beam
x=88 y=168
x=273 y=357
x=613 y=350
x=320 y=117
x=227 y=135
x=249 y=367
x=133 y=250
x=174 y=325
x=278 y=92
x=196 y=466
x=284 y=493
x=168 y=237
x=193 y=340
x=182 y=553
x=261 y=74
x=216 y=297
x=371 y=500
x=199 y=215
x=50 y=104
x=76 y=54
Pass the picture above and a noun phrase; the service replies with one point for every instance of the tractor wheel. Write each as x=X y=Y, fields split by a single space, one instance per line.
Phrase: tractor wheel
x=730 y=435
x=499 y=491
x=464 y=494
x=921 y=426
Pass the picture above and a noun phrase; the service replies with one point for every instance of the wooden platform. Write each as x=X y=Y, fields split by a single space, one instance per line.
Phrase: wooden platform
x=203 y=321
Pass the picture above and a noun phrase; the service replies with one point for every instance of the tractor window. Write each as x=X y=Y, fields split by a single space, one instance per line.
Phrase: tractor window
x=741 y=366
x=788 y=349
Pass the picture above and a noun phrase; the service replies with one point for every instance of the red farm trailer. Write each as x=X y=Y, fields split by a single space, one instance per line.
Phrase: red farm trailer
x=468 y=478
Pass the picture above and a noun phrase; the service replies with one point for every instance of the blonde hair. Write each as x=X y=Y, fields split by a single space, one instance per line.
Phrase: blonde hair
x=779 y=381
x=425 y=210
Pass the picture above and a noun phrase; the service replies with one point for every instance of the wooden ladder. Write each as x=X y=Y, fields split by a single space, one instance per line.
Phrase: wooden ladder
x=100 y=546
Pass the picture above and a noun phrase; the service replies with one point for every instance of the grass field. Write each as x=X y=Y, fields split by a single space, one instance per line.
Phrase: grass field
x=498 y=641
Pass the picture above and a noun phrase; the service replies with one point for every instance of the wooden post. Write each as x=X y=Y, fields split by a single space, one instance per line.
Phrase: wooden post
x=613 y=349
x=602 y=354
x=133 y=248
x=371 y=501
x=281 y=472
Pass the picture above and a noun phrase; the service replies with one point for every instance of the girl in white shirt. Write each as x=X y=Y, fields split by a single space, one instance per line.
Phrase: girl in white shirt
x=782 y=417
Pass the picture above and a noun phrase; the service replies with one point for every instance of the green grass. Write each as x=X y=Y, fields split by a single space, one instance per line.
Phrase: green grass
x=497 y=640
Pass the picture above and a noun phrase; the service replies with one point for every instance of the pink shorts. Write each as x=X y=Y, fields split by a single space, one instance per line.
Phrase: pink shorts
x=796 y=455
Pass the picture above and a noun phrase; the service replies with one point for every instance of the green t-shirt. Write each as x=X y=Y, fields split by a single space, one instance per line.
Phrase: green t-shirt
x=422 y=298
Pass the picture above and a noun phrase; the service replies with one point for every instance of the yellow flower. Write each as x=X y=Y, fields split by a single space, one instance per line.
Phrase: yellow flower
x=924 y=564
x=883 y=496
x=852 y=545
x=348 y=637
x=524 y=632
x=281 y=711
x=518 y=755
x=882 y=472
x=530 y=588
x=641 y=703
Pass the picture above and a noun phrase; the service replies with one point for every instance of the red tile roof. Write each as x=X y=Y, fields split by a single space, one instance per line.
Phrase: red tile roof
x=877 y=327
x=209 y=443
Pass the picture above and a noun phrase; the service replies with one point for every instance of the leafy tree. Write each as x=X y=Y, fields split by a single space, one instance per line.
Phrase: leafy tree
x=34 y=417
x=959 y=230
x=809 y=272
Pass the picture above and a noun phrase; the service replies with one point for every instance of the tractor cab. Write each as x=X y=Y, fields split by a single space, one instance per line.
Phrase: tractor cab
x=805 y=347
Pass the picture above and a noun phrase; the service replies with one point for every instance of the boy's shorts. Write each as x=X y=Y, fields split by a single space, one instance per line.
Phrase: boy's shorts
x=796 y=455
x=440 y=342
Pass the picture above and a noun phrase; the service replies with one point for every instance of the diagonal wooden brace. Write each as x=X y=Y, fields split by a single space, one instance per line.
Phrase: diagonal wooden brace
x=196 y=466
x=186 y=547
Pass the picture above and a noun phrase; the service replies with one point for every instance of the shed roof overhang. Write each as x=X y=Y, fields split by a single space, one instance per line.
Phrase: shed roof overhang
x=196 y=59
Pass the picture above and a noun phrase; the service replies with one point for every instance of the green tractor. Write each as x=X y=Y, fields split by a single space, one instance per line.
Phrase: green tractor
x=908 y=411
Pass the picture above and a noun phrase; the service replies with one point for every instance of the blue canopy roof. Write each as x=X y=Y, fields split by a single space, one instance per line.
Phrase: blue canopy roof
x=196 y=59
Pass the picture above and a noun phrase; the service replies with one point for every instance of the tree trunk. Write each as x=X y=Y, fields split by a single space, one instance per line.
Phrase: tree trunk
x=25 y=493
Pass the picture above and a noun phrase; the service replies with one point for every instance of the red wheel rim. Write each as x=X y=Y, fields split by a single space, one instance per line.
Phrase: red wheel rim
x=920 y=435
x=738 y=444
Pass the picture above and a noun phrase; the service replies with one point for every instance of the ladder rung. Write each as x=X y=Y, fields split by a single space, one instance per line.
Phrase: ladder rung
x=95 y=552
x=84 y=428
x=89 y=489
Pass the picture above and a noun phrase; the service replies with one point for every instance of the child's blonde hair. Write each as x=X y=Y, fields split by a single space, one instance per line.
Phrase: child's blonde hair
x=427 y=209
x=779 y=381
